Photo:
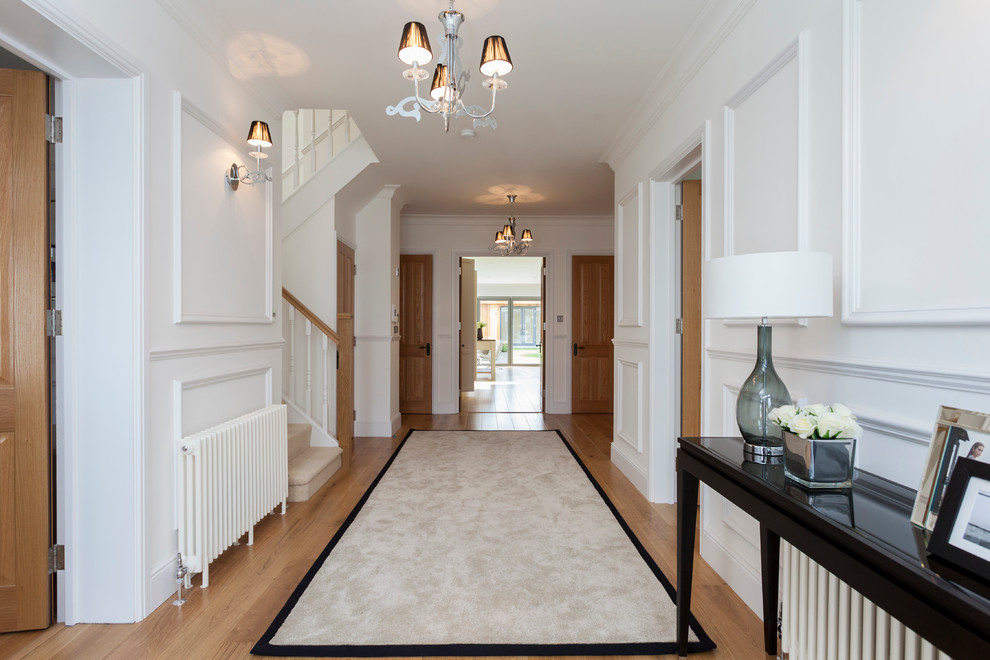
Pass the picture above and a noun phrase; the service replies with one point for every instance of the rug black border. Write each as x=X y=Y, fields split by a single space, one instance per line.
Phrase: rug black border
x=266 y=648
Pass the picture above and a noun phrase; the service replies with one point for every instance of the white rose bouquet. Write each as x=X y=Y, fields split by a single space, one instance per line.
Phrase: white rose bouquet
x=817 y=421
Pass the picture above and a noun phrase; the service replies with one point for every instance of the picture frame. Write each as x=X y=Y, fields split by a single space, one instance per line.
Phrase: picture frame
x=961 y=537
x=958 y=434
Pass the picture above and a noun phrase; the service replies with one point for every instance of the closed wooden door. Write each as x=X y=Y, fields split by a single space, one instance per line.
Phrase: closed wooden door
x=592 y=301
x=25 y=504
x=416 y=333
x=691 y=309
x=345 y=279
x=543 y=336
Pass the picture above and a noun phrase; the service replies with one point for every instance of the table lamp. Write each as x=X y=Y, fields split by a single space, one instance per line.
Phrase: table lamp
x=763 y=286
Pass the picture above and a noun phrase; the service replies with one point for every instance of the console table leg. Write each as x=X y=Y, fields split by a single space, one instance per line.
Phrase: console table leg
x=770 y=565
x=687 y=519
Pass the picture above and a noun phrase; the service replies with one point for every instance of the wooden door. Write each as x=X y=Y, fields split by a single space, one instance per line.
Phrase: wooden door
x=469 y=326
x=543 y=336
x=592 y=302
x=345 y=279
x=25 y=503
x=691 y=309
x=416 y=333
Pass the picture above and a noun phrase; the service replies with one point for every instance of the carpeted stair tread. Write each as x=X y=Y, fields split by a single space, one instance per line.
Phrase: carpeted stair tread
x=310 y=469
x=299 y=439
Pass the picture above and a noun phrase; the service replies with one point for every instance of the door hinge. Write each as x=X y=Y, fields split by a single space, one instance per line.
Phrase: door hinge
x=679 y=212
x=354 y=415
x=56 y=558
x=53 y=323
x=53 y=129
x=355 y=269
x=679 y=326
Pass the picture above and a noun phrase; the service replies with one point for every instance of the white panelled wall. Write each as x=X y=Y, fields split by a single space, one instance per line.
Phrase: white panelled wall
x=819 y=126
x=167 y=279
x=450 y=238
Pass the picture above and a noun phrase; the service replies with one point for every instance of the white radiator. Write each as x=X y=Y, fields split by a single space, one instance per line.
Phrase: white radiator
x=823 y=618
x=229 y=478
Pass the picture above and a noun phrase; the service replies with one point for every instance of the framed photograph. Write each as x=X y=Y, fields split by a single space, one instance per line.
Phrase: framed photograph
x=962 y=533
x=958 y=434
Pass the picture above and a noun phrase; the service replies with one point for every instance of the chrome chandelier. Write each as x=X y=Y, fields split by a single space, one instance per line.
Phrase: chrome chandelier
x=449 y=80
x=505 y=239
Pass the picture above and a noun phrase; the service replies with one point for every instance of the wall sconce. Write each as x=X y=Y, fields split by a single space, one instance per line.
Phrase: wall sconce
x=259 y=137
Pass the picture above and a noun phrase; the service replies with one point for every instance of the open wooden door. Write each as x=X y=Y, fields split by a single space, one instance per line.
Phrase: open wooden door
x=691 y=309
x=592 y=304
x=416 y=333
x=469 y=325
x=25 y=467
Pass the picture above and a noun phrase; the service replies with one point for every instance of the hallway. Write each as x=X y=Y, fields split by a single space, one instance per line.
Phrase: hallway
x=249 y=584
x=514 y=390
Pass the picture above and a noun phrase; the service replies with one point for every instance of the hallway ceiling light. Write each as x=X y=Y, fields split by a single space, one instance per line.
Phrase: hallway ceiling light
x=505 y=239
x=449 y=80
x=260 y=137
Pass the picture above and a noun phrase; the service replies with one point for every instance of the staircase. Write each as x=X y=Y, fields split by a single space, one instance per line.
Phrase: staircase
x=309 y=467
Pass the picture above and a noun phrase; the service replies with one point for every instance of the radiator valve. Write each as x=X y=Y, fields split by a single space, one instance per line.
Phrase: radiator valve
x=180 y=575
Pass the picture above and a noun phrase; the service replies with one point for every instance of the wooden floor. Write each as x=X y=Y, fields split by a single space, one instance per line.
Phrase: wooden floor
x=249 y=584
x=515 y=389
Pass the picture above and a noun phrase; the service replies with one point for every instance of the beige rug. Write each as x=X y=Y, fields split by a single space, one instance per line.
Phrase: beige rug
x=481 y=543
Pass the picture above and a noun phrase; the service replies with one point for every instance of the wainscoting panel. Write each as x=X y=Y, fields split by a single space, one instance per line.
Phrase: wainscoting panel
x=629 y=403
x=630 y=248
x=222 y=239
x=202 y=402
x=940 y=276
x=765 y=152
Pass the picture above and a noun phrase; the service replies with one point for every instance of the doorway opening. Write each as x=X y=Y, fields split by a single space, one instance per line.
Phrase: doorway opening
x=509 y=359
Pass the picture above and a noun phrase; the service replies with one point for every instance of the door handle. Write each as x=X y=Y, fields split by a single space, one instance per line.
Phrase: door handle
x=577 y=348
x=427 y=347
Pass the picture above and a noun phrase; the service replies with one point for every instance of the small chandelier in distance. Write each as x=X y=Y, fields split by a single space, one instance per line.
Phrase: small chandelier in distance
x=505 y=239
x=449 y=79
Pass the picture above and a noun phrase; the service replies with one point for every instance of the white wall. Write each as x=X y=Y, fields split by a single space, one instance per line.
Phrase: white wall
x=449 y=238
x=168 y=279
x=376 y=290
x=797 y=155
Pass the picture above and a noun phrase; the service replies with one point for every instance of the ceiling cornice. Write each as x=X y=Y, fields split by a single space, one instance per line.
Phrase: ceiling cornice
x=534 y=220
x=269 y=94
x=669 y=84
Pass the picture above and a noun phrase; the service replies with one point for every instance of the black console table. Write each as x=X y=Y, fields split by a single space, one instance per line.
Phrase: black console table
x=868 y=542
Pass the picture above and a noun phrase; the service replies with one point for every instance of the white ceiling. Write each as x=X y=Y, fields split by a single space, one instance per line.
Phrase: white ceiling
x=581 y=67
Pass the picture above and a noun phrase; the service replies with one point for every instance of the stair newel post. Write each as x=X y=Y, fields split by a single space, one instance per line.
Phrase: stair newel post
x=292 y=352
x=295 y=137
x=326 y=382
x=309 y=368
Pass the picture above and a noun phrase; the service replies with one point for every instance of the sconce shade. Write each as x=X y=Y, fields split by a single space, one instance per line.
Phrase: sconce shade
x=495 y=57
x=500 y=237
x=440 y=82
x=768 y=284
x=259 y=135
x=414 y=47
x=507 y=232
x=527 y=235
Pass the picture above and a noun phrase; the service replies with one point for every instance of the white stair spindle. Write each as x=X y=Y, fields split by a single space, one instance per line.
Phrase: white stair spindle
x=295 y=132
x=326 y=381
x=292 y=352
x=309 y=368
x=312 y=144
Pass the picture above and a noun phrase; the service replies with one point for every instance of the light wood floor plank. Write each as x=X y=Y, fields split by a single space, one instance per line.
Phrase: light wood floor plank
x=249 y=584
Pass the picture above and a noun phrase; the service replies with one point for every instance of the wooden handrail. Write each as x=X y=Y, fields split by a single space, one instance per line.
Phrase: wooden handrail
x=310 y=316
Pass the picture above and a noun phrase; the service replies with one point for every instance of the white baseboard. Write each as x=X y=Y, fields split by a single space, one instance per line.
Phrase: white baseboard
x=396 y=423
x=373 y=429
x=632 y=471
x=161 y=587
x=734 y=572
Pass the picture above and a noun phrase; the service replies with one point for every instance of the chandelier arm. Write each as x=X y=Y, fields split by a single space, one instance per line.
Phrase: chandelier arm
x=422 y=103
x=490 y=111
